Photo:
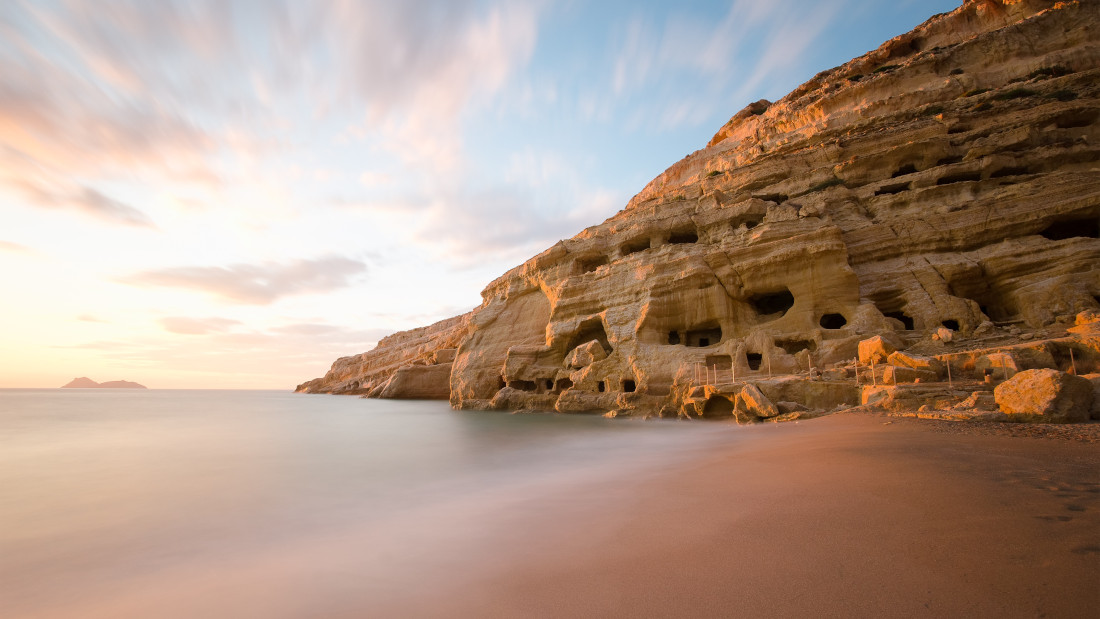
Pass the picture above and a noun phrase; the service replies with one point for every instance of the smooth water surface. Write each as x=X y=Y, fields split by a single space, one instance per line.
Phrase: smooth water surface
x=260 y=503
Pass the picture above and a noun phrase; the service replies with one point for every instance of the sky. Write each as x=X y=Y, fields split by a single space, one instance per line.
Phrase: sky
x=223 y=194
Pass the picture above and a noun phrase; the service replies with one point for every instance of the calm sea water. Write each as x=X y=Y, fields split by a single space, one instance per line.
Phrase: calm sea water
x=166 y=503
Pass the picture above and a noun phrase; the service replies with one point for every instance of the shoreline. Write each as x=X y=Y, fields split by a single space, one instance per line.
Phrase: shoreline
x=849 y=515
x=846 y=516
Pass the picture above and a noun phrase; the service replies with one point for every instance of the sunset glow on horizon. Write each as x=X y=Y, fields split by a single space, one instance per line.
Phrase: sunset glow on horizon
x=206 y=194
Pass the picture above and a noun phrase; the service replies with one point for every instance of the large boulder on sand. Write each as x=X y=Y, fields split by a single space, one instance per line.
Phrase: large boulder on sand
x=1045 y=396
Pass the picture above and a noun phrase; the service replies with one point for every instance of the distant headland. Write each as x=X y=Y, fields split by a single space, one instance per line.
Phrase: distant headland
x=86 y=383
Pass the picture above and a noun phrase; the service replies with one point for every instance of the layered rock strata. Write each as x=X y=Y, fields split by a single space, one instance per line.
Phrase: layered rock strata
x=932 y=192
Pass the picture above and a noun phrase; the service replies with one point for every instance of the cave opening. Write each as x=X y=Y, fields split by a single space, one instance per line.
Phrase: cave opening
x=683 y=237
x=674 y=338
x=772 y=303
x=635 y=246
x=705 y=336
x=563 y=384
x=1077 y=118
x=718 y=407
x=587 y=265
x=906 y=319
x=523 y=385
x=754 y=359
x=962 y=177
x=600 y=386
x=629 y=386
x=549 y=382
x=889 y=190
x=953 y=159
x=833 y=321
x=749 y=221
x=793 y=347
x=1088 y=227
x=778 y=198
x=1010 y=171
x=903 y=170
x=589 y=330
x=951 y=324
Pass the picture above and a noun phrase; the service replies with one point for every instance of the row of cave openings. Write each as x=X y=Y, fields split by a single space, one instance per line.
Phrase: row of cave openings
x=549 y=385
x=591 y=330
x=1072 y=119
x=768 y=306
x=682 y=236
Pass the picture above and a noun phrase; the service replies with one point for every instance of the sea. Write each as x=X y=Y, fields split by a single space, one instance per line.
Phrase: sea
x=219 y=503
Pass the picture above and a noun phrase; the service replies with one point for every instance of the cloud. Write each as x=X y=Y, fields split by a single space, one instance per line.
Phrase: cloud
x=14 y=247
x=684 y=70
x=258 y=284
x=197 y=326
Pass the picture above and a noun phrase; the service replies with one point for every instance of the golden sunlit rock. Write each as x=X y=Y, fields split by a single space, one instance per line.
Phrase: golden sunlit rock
x=938 y=195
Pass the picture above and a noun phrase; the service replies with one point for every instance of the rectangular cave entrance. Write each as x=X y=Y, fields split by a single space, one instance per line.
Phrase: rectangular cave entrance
x=523 y=385
x=707 y=336
x=634 y=246
x=754 y=359
x=681 y=237
x=588 y=265
x=629 y=386
x=1086 y=227
x=795 y=346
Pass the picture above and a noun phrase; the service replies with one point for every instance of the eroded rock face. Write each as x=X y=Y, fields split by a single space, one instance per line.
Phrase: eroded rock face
x=425 y=355
x=938 y=186
x=1045 y=395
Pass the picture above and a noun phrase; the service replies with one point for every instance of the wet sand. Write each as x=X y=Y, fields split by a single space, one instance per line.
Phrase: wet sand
x=846 y=516
x=851 y=515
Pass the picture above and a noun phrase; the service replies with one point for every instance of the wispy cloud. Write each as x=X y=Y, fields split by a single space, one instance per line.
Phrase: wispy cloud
x=14 y=247
x=258 y=284
x=197 y=326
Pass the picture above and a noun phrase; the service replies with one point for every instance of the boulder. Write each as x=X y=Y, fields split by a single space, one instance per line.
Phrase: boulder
x=756 y=403
x=1045 y=396
x=893 y=375
x=1095 y=380
x=905 y=360
x=585 y=355
x=878 y=348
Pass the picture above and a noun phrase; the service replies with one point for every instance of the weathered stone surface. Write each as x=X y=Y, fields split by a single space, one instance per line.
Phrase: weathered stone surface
x=906 y=360
x=1095 y=380
x=943 y=184
x=368 y=373
x=585 y=355
x=1047 y=396
x=419 y=382
x=878 y=349
x=893 y=375
x=752 y=401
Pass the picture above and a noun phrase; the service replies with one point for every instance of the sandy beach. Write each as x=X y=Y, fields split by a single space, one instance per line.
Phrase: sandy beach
x=845 y=516
x=850 y=515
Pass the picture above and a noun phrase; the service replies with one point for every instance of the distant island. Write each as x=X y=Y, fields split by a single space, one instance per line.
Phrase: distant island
x=86 y=383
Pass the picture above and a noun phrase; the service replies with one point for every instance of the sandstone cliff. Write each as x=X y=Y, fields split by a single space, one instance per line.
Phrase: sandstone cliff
x=941 y=191
x=408 y=364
